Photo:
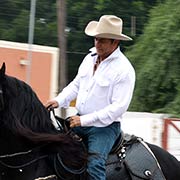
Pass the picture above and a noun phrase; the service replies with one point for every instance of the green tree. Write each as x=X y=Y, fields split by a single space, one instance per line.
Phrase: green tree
x=79 y=13
x=14 y=21
x=156 y=59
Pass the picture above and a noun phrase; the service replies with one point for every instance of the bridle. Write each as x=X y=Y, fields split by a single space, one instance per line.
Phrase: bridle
x=20 y=154
x=20 y=167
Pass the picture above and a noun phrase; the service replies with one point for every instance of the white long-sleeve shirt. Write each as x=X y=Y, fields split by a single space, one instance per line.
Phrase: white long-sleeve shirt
x=102 y=97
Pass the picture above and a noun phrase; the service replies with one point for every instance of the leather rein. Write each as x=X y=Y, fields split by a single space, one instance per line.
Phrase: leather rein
x=19 y=154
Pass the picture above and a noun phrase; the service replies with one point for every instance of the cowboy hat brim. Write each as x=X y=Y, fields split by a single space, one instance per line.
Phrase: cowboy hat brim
x=92 y=29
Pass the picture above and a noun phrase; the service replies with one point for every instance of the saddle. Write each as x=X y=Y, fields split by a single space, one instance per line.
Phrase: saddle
x=133 y=153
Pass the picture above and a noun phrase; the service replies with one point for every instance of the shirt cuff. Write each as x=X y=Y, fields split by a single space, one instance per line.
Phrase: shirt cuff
x=88 y=119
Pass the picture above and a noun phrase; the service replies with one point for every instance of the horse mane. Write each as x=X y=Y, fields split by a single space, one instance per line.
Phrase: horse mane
x=25 y=115
x=24 y=112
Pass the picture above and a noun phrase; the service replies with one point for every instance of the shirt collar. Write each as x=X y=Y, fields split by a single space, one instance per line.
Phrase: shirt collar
x=113 y=55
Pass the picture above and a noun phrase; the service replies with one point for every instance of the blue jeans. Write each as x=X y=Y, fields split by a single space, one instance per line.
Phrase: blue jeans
x=99 y=141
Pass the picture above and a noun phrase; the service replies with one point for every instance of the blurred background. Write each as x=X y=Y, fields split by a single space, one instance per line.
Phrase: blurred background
x=42 y=42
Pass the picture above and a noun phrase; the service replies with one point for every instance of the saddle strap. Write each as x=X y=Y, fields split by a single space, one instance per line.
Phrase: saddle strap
x=142 y=163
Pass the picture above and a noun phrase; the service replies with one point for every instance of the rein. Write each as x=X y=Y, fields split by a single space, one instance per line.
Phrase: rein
x=20 y=154
x=73 y=171
x=63 y=124
x=23 y=165
x=68 y=172
x=15 y=154
x=58 y=164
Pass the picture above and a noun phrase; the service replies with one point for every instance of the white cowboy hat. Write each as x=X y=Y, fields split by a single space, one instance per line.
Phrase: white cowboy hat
x=108 y=26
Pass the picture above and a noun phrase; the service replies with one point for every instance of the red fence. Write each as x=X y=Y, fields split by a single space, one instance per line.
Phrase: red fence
x=169 y=123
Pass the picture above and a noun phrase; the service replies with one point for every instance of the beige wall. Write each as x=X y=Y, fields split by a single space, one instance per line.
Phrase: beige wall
x=44 y=66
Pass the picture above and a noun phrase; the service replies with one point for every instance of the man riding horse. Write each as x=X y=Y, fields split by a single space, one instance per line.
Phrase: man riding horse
x=103 y=88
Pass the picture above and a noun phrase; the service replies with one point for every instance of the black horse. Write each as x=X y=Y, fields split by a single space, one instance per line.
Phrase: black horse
x=31 y=148
x=29 y=143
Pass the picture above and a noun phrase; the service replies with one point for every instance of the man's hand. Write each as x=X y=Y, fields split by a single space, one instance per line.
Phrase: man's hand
x=75 y=121
x=51 y=104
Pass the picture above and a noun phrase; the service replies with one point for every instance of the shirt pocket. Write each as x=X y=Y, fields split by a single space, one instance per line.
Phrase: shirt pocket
x=84 y=80
x=101 y=88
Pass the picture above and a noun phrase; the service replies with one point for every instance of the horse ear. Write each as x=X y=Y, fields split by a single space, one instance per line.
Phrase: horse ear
x=2 y=70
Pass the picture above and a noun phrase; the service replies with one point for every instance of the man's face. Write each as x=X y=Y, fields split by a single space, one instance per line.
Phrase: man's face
x=104 y=47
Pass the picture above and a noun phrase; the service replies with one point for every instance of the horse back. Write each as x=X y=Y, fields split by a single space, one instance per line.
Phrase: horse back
x=169 y=164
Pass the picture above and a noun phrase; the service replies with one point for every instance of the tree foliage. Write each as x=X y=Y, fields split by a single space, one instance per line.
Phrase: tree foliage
x=79 y=13
x=156 y=59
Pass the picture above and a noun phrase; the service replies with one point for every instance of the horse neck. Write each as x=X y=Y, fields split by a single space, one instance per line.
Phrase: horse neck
x=11 y=143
